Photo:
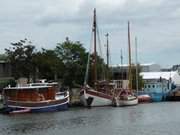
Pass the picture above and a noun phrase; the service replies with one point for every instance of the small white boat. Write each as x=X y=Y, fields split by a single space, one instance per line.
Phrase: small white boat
x=90 y=97
x=125 y=98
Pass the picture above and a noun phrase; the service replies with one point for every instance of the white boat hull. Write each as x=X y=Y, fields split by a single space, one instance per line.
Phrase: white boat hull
x=126 y=102
x=90 y=98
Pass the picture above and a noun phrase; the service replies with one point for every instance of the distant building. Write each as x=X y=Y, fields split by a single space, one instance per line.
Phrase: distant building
x=174 y=76
x=121 y=71
x=151 y=67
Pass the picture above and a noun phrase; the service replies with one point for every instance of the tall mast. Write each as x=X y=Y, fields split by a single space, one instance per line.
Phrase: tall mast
x=107 y=53
x=137 y=87
x=129 y=48
x=121 y=65
x=95 y=52
x=121 y=77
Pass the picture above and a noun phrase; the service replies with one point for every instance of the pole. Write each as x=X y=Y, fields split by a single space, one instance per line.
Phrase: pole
x=107 y=53
x=121 y=68
x=137 y=79
x=129 y=49
x=95 y=52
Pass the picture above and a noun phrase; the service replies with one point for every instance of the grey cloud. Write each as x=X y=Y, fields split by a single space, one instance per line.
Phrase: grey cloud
x=48 y=22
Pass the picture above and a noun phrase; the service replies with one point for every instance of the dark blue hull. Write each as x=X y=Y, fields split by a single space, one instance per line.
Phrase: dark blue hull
x=52 y=108
x=62 y=107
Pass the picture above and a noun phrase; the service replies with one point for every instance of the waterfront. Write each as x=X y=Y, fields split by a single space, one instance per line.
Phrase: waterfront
x=144 y=119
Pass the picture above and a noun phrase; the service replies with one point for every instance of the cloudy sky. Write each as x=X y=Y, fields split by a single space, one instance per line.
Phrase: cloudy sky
x=156 y=23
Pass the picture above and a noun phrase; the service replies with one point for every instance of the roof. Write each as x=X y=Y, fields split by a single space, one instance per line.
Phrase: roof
x=157 y=75
x=126 y=65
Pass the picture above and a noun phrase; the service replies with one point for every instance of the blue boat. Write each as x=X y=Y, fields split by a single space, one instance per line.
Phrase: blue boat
x=157 y=89
x=34 y=99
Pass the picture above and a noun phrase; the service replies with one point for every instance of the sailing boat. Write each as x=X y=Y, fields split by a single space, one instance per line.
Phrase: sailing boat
x=101 y=94
x=126 y=97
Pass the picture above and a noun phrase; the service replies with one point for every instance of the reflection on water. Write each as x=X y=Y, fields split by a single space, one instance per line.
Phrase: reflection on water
x=144 y=119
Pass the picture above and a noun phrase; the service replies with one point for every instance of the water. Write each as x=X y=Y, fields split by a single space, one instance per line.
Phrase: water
x=145 y=119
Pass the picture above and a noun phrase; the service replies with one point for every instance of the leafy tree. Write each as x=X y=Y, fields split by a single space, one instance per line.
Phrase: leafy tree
x=48 y=65
x=20 y=55
x=140 y=79
x=3 y=57
x=74 y=58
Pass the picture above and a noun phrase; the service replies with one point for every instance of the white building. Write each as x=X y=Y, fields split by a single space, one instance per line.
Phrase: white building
x=172 y=75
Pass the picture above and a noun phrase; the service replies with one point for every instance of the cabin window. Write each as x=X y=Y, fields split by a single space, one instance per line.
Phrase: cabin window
x=153 y=86
x=144 y=86
x=149 y=86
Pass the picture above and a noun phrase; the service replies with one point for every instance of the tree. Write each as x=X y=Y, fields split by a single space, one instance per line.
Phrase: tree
x=140 y=79
x=48 y=65
x=3 y=57
x=74 y=58
x=20 y=55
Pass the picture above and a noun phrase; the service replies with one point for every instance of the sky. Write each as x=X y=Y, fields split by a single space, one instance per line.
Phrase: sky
x=155 y=23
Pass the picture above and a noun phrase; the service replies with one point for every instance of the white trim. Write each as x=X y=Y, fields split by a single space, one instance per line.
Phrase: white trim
x=38 y=107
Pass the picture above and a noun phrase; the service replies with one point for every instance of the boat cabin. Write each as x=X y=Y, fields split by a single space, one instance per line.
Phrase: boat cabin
x=159 y=86
x=29 y=93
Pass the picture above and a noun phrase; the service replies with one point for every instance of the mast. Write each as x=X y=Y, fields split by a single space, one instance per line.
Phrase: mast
x=121 y=65
x=129 y=49
x=95 y=52
x=137 y=87
x=107 y=53
x=121 y=69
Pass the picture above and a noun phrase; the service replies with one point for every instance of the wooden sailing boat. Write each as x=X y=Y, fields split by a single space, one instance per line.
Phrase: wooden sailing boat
x=126 y=97
x=101 y=94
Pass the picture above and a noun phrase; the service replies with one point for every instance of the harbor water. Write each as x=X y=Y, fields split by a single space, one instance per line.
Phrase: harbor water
x=144 y=119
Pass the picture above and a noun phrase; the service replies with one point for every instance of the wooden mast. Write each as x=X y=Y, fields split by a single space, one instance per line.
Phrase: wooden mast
x=95 y=52
x=137 y=79
x=107 y=53
x=129 y=49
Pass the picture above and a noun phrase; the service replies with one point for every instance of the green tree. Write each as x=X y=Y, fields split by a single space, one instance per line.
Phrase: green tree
x=20 y=55
x=74 y=58
x=3 y=57
x=48 y=65
x=140 y=79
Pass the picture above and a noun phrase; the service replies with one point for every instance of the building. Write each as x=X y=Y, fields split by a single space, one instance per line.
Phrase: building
x=120 y=72
x=151 y=67
x=174 y=76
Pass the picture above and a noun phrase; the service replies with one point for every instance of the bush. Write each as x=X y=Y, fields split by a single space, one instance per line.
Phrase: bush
x=5 y=83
